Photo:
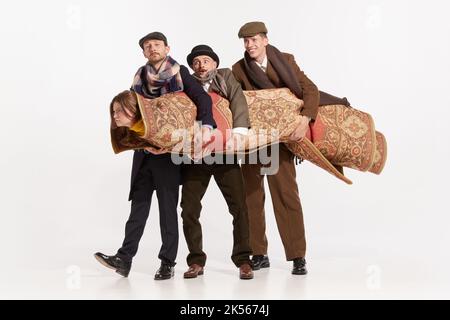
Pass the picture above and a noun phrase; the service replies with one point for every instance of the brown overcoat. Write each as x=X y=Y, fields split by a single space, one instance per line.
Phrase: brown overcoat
x=310 y=91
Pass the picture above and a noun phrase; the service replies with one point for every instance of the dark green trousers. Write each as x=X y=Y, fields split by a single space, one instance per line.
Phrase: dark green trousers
x=229 y=179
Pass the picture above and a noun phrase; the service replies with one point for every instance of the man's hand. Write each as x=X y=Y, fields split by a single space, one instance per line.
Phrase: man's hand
x=300 y=132
x=236 y=142
x=206 y=135
x=156 y=151
x=201 y=139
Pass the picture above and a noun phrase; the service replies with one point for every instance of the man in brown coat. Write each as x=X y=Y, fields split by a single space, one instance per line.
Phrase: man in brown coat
x=225 y=170
x=264 y=67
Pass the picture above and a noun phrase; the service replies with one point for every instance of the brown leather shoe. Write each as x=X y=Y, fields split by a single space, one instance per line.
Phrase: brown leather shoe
x=193 y=271
x=245 y=272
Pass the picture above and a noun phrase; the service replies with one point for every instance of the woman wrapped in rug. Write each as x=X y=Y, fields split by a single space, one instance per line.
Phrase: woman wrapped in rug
x=341 y=136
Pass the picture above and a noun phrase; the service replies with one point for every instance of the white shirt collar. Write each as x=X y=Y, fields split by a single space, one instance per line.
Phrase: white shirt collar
x=206 y=85
x=263 y=64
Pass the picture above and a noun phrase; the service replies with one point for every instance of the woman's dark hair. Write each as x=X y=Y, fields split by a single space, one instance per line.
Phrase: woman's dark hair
x=128 y=103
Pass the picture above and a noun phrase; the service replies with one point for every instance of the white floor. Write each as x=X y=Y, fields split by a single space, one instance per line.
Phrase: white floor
x=354 y=277
x=379 y=249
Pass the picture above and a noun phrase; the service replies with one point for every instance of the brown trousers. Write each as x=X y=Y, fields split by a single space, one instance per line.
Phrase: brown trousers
x=286 y=206
x=229 y=179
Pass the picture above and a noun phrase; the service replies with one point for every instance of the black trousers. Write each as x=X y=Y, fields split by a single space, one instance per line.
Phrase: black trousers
x=156 y=173
x=229 y=179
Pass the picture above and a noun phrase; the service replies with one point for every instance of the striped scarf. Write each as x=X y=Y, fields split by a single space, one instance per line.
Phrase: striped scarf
x=152 y=83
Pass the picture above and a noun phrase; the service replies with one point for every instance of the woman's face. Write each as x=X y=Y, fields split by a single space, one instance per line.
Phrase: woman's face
x=120 y=116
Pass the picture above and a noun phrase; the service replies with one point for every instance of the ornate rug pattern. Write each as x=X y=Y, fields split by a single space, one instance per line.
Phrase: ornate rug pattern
x=340 y=136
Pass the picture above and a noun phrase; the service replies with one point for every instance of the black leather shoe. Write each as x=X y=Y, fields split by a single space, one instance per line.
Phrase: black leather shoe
x=260 y=261
x=165 y=271
x=299 y=266
x=114 y=262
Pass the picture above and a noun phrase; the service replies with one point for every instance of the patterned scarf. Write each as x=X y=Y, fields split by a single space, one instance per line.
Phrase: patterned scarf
x=152 y=83
x=216 y=79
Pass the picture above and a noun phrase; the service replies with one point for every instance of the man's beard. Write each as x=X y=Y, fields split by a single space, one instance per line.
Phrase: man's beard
x=202 y=74
x=156 y=59
x=206 y=77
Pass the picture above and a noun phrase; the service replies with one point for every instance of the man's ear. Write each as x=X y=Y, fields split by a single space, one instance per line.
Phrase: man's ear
x=167 y=50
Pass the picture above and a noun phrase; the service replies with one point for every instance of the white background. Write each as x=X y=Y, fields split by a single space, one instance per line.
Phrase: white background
x=64 y=192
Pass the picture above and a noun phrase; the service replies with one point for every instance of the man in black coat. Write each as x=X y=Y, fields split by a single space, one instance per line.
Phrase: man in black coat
x=153 y=169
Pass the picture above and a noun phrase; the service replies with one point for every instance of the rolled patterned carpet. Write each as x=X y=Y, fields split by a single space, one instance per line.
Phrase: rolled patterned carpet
x=341 y=136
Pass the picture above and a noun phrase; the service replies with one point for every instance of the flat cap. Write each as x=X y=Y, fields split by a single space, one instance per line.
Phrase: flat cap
x=251 y=29
x=153 y=36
